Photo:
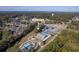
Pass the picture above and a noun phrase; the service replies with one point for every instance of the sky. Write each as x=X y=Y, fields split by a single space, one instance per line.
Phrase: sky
x=40 y=8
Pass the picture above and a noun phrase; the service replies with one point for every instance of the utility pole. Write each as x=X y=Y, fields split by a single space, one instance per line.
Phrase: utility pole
x=38 y=26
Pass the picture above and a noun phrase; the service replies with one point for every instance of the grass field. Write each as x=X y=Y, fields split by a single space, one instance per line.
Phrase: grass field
x=5 y=37
x=6 y=34
x=67 y=41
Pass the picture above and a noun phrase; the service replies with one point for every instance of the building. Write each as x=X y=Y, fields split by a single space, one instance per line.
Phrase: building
x=51 y=31
x=76 y=18
x=38 y=20
x=46 y=33
x=43 y=36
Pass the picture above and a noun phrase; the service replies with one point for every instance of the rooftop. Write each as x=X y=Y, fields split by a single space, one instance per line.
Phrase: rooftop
x=46 y=33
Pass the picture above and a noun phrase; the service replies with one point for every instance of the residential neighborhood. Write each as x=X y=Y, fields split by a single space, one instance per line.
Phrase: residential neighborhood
x=39 y=31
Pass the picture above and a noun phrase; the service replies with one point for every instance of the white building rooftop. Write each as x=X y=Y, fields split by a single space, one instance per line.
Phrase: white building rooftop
x=46 y=33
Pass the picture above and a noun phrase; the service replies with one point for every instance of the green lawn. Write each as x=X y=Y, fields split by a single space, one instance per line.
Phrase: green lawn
x=67 y=41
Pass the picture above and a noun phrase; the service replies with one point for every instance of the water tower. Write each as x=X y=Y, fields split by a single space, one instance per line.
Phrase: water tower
x=52 y=14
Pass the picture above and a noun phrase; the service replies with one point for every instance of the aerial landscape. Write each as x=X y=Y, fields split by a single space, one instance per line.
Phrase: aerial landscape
x=39 y=29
